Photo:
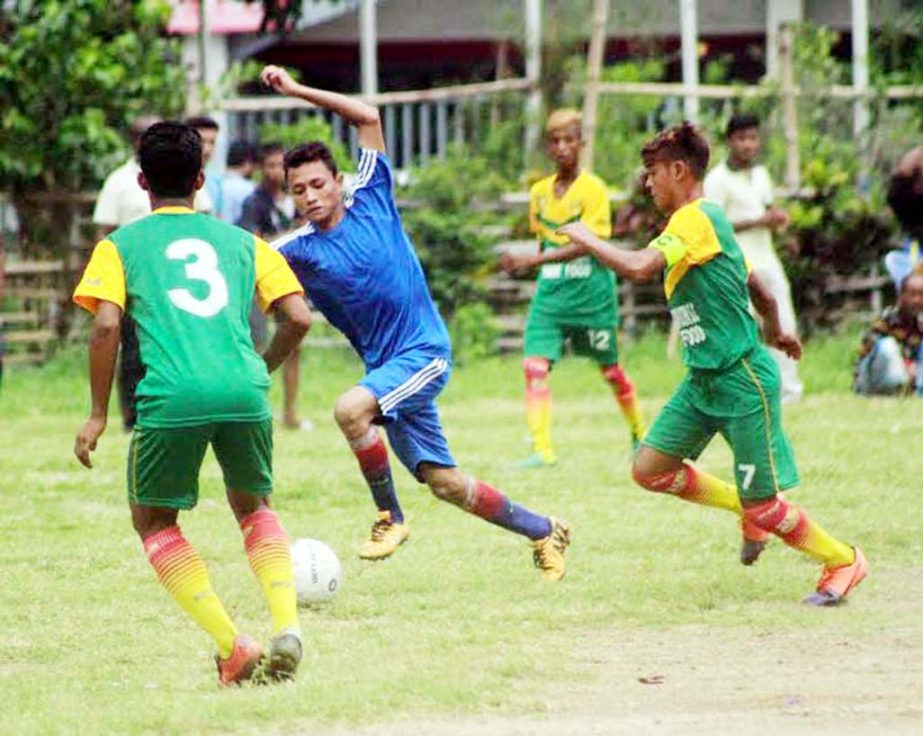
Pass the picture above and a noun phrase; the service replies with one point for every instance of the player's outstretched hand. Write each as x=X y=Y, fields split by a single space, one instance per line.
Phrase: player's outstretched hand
x=513 y=262
x=86 y=439
x=279 y=79
x=788 y=344
x=578 y=233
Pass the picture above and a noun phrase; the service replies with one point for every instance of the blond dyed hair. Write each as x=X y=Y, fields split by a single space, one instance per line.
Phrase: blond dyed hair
x=564 y=118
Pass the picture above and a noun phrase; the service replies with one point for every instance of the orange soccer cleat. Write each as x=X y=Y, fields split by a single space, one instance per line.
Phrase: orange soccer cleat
x=243 y=662
x=835 y=583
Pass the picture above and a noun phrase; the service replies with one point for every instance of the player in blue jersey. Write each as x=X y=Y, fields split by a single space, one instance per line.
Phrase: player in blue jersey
x=361 y=272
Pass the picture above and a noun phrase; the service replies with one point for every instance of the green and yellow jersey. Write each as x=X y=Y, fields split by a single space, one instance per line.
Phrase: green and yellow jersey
x=188 y=281
x=706 y=286
x=580 y=292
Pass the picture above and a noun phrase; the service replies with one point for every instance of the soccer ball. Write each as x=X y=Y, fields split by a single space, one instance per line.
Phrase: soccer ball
x=317 y=571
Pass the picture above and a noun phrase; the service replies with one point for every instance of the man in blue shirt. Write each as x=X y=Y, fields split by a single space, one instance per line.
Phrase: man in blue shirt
x=360 y=270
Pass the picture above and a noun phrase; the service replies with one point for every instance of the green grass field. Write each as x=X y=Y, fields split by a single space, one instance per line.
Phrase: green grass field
x=457 y=627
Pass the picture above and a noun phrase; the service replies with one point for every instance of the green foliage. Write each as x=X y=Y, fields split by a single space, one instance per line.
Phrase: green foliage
x=473 y=332
x=72 y=76
x=308 y=128
x=446 y=221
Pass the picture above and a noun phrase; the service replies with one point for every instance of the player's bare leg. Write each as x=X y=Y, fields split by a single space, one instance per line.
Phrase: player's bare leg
x=550 y=537
x=354 y=413
x=291 y=379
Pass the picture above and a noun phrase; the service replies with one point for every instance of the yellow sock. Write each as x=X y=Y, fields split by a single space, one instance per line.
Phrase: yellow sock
x=538 y=407
x=270 y=558
x=709 y=490
x=182 y=572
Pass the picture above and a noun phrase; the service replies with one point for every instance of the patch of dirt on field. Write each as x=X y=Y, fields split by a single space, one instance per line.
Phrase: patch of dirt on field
x=698 y=680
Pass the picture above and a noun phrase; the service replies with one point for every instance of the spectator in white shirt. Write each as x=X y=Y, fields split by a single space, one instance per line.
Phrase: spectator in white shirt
x=743 y=188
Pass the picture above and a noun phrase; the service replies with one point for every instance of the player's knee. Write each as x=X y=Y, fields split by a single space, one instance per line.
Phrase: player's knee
x=617 y=378
x=673 y=482
x=536 y=370
x=774 y=515
x=349 y=415
x=447 y=484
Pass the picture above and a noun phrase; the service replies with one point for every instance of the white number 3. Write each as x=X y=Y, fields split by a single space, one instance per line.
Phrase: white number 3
x=204 y=267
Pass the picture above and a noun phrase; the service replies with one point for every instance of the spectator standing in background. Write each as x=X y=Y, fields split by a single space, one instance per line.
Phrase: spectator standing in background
x=267 y=213
x=743 y=189
x=236 y=185
x=208 y=129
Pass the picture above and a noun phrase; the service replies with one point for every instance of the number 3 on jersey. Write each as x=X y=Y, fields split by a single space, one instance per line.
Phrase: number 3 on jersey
x=203 y=267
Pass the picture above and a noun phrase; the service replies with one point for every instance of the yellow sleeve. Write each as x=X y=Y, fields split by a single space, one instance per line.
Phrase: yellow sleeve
x=597 y=215
x=274 y=278
x=103 y=279
x=534 y=226
x=695 y=230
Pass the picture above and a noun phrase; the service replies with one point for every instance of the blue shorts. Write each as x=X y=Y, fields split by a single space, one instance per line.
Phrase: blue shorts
x=406 y=388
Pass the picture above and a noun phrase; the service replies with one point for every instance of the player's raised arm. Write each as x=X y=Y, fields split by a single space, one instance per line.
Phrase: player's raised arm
x=364 y=116
x=634 y=265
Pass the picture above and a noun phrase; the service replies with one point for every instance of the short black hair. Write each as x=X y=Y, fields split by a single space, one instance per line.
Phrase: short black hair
x=202 y=122
x=680 y=142
x=741 y=121
x=269 y=148
x=171 y=158
x=308 y=152
x=905 y=197
x=240 y=152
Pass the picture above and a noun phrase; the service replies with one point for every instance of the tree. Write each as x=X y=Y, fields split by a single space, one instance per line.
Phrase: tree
x=73 y=73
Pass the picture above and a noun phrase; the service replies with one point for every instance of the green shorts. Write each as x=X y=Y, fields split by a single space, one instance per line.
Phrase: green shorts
x=163 y=464
x=742 y=404
x=545 y=337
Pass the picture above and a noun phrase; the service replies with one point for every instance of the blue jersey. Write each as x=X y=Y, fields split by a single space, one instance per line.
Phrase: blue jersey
x=364 y=275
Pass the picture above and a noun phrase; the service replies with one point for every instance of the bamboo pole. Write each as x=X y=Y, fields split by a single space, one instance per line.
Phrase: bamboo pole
x=789 y=110
x=594 y=69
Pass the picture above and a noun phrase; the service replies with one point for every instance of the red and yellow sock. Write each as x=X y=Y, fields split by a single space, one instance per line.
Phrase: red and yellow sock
x=626 y=398
x=538 y=406
x=270 y=558
x=793 y=526
x=691 y=484
x=182 y=572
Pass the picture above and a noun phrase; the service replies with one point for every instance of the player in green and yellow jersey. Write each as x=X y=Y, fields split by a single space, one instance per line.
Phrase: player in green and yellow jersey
x=733 y=385
x=188 y=281
x=576 y=296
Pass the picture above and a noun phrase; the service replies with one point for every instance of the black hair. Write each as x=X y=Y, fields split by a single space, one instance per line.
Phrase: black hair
x=202 y=122
x=741 y=121
x=680 y=142
x=240 y=152
x=269 y=148
x=171 y=158
x=905 y=197
x=308 y=152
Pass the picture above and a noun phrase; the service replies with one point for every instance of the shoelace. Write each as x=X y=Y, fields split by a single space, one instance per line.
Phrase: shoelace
x=379 y=528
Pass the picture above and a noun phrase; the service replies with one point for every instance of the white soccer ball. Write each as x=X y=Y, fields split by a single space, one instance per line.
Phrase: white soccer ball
x=318 y=572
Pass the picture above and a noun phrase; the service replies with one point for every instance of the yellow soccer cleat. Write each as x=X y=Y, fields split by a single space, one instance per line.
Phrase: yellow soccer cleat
x=384 y=538
x=549 y=551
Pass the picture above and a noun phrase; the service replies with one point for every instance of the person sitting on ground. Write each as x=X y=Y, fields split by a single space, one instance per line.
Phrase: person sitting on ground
x=891 y=356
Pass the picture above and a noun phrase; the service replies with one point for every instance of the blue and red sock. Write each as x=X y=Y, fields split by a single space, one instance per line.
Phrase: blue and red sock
x=372 y=455
x=488 y=503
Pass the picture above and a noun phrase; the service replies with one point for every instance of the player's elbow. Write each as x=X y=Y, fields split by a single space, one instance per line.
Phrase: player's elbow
x=369 y=116
x=640 y=273
x=301 y=322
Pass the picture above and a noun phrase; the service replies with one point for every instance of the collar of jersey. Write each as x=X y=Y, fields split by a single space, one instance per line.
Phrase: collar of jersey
x=174 y=210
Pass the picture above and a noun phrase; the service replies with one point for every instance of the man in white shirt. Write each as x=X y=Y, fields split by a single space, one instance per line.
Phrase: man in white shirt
x=743 y=188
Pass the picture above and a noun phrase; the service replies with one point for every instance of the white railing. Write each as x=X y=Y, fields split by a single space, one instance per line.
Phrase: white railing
x=418 y=124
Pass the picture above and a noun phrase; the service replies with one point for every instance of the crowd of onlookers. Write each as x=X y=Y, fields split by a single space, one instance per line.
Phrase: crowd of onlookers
x=250 y=193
